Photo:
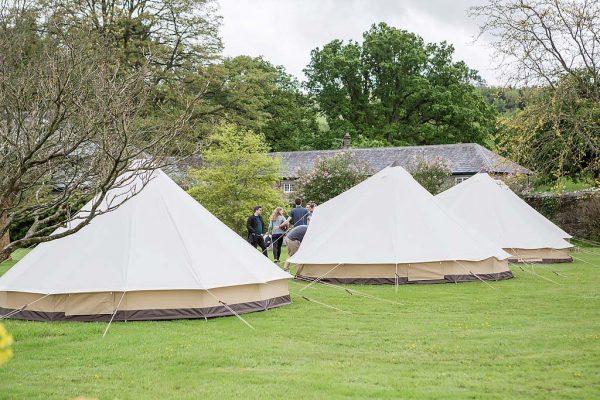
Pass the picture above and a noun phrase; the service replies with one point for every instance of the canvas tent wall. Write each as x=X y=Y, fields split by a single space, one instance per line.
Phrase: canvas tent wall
x=389 y=229
x=493 y=210
x=160 y=255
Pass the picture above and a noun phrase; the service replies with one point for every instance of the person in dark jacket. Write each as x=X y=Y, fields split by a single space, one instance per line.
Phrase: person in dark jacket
x=299 y=214
x=256 y=226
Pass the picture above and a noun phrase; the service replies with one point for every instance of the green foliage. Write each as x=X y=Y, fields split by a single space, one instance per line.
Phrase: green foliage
x=237 y=175
x=398 y=89
x=362 y=142
x=518 y=183
x=175 y=37
x=169 y=41
x=548 y=205
x=556 y=135
x=482 y=343
x=432 y=174
x=256 y=95
x=331 y=176
x=564 y=184
x=505 y=100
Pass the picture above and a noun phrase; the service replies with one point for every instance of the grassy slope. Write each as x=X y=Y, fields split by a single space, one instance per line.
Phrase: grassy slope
x=523 y=338
x=566 y=185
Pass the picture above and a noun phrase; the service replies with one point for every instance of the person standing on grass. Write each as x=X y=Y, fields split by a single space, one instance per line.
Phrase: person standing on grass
x=299 y=214
x=293 y=239
x=278 y=224
x=256 y=227
x=311 y=208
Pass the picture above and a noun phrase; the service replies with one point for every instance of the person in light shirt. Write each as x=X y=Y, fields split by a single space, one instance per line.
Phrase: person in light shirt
x=278 y=225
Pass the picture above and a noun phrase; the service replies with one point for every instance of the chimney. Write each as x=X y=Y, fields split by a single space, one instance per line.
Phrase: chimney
x=347 y=141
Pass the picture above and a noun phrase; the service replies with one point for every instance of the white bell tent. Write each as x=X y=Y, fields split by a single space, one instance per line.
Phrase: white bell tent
x=389 y=229
x=159 y=255
x=495 y=211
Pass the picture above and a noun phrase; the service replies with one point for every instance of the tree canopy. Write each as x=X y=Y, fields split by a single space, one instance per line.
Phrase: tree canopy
x=237 y=174
x=256 y=95
x=554 y=46
x=556 y=133
x=72 y=121
x=174 y=37
x=396 y=88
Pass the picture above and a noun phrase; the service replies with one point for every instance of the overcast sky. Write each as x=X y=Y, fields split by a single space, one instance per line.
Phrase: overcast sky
x=285 y=31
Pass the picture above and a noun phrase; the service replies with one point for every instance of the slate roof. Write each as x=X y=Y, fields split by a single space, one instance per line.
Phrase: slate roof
x=462 y=158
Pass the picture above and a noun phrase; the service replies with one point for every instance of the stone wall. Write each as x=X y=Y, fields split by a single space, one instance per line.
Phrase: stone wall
x=578 y=213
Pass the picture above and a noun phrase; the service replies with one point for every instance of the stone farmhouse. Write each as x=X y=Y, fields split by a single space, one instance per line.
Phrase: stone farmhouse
x=463 y=159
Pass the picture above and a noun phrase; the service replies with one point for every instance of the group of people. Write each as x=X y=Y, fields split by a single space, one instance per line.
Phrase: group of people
x=281 y=229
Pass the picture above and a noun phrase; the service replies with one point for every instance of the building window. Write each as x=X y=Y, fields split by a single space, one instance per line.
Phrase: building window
x=287 y=188
x=460 y=179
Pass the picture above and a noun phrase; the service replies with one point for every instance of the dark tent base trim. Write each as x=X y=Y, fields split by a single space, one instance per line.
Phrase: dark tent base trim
x=404 y=280
x=542 y=261
x=156 y=314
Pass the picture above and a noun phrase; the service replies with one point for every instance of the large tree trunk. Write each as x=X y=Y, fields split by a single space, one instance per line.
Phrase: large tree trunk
x=4 y=240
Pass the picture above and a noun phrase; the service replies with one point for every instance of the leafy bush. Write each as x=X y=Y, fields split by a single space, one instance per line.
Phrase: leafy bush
x=237 y=175
x=330 y=176
x=433 y=174
x=518 y=183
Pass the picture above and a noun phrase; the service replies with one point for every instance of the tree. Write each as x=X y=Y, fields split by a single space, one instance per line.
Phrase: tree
x=237 y=175
x=399 y=89
x=173 y=38
x=432 y=174
x=556 y=134
x=538 y=41
x=554 y=44
x=331 y=176
x=71 y=122
x=505 y=100
x=174 y=41
x=256 y=95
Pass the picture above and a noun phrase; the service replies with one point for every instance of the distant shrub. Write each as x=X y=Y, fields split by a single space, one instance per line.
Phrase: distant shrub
x=518 y=183
x=433 y=174
x=330 y=176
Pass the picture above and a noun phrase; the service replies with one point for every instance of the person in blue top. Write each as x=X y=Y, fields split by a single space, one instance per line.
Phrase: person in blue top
x=256 y=227
x=299 y=214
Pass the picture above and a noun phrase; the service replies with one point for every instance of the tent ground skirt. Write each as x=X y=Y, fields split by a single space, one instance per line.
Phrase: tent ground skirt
x=153 y=315
x=146 y=305
x=540 y=256
x=391 y=281
x=429 y=272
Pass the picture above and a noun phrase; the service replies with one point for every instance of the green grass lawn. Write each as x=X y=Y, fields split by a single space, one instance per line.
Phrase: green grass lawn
x=523 y=338
x=566 y=185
